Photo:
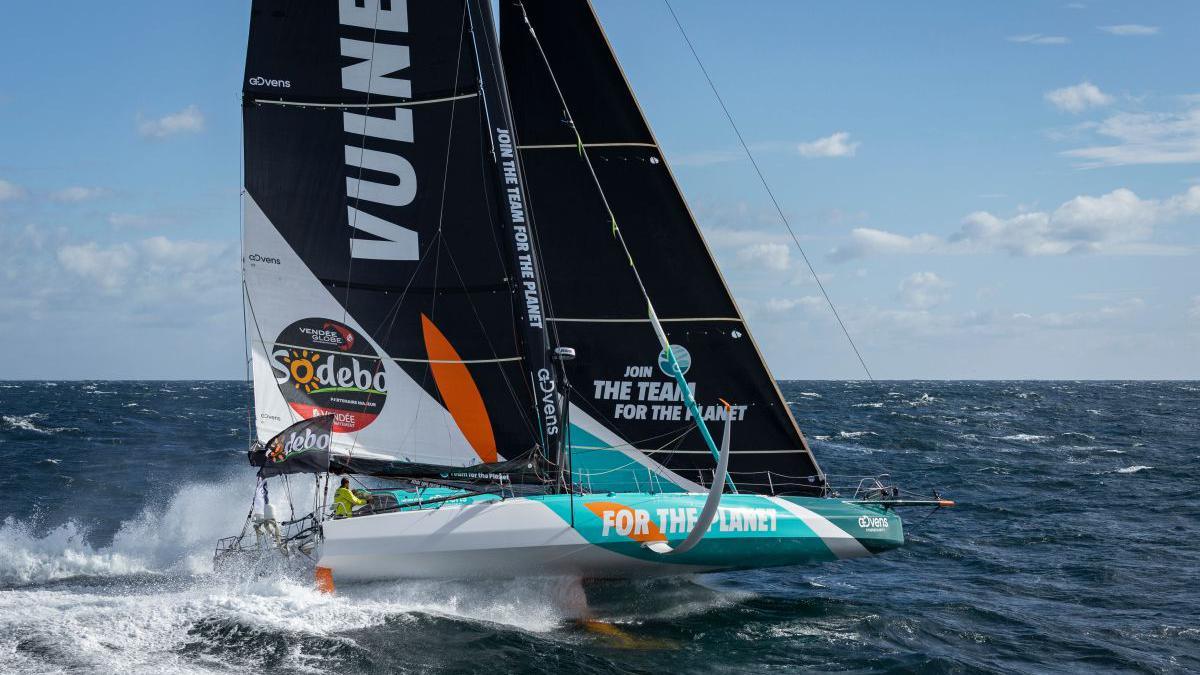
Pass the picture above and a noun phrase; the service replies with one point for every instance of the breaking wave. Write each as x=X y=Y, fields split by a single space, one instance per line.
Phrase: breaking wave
x=176 y=538
x=1025 y=438
x=30 y=423
x=1134 y=469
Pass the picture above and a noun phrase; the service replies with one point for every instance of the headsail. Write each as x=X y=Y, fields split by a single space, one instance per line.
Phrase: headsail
x=377 y=281
x=624 y=395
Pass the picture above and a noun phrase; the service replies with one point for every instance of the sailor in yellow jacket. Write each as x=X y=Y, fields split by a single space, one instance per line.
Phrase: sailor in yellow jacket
x=344 y=500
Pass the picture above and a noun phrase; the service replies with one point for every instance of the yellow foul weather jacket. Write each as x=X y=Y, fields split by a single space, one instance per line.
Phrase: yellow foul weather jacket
x=344 y=500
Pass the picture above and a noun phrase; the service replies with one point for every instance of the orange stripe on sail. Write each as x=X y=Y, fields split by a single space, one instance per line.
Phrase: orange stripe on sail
x=644 y=532
x=459 y=392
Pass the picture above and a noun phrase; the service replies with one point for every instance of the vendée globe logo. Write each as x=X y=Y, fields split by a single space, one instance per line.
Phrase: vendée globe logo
x=265 y=82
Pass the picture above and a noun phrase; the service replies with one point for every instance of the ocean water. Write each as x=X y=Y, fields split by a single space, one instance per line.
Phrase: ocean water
x=1074 y=548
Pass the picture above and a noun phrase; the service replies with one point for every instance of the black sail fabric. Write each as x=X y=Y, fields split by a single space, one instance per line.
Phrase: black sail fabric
x=301 y=448
x=620 y=378
x=378 y=282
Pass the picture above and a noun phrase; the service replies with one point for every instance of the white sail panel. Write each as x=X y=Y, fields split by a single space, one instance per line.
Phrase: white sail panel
x=292 y=376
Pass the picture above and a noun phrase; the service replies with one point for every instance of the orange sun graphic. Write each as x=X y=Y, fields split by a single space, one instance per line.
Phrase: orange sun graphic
x=303 y=367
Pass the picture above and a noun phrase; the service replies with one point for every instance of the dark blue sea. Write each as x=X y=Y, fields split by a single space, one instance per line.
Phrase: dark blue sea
x=1075 y=548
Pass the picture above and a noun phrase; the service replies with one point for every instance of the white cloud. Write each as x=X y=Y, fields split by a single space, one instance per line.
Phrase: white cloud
x=1144 y=138
x=773 y=256
x=188 y=120
x=834 y=145
x=1194 y=311
x=868 y=240
x=151 y=264
x=924 y=290
x=136 y=220
x=786 y=305
x=1127 y=29
x=1117 y=222
x=1081 y=319
x=105 y=266
x=1078 y=98
x=1038 y=39
x=1075 y=5
x=706 y=157
x=9 y=191
x=78 y=194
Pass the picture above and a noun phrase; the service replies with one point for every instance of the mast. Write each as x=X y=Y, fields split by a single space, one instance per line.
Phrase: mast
x=526 y=280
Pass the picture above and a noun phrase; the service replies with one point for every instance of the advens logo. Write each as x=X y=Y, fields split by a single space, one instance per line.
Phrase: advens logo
x=266 y=82
x=326 y=368
x=873 y=522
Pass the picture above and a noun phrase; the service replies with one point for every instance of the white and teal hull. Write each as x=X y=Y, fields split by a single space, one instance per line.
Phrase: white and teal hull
x=600 y=536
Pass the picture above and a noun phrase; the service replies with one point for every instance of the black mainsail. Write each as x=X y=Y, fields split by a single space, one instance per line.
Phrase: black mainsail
x=396 y=155
x=621 y=386
x=378 y=281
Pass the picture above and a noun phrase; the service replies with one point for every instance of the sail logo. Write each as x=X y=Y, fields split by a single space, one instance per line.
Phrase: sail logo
x=682 y=356
x=266 y=82
x=642 y=525
x=374 y=75
x=323 y=367
x=332 y=334
x=297 y=444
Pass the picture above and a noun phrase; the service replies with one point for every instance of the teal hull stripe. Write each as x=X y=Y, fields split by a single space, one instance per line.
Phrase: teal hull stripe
x=751 y=530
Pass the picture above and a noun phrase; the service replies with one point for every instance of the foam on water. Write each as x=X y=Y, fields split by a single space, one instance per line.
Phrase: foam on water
x=132 y=605
x=176 y=537
x=1134 y=469
x=1042 y=564
x=30 y=423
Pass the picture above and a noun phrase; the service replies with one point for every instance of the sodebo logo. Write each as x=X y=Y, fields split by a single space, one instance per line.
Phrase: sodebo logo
x=264 y=82
x=309 y=441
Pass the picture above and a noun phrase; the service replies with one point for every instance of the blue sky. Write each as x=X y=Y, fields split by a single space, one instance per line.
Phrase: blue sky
x=1002 y=190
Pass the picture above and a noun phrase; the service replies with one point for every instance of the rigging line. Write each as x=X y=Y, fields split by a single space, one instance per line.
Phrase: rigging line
x=442 y=206
x=386 y=337
x=550 y=336
x=583 y=151
x=483 y=330
x=496 y=247
x=767 y=187
x=535 y=249
x=362 y=147
x=242 y=266
x=358 y=202
x=258 y=331
x=659 y=331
